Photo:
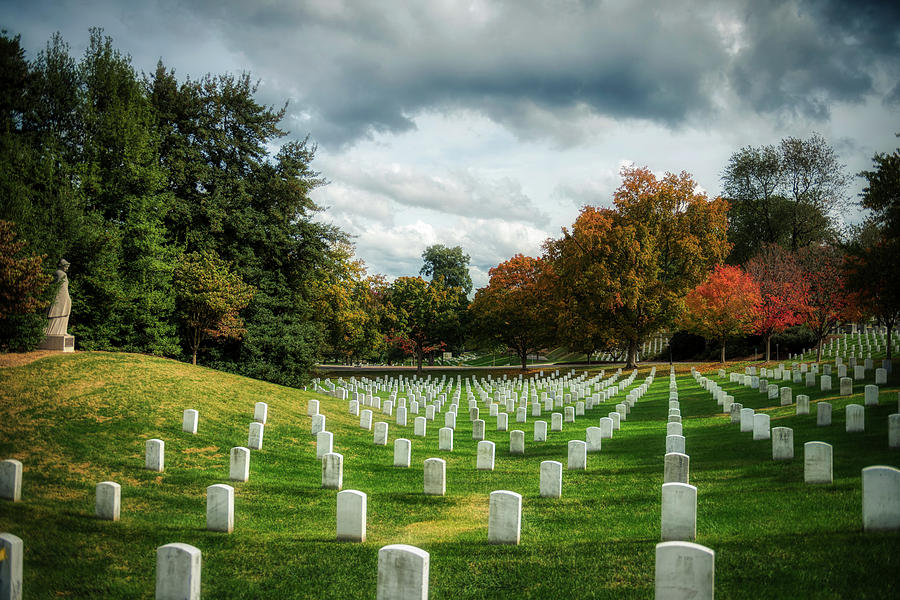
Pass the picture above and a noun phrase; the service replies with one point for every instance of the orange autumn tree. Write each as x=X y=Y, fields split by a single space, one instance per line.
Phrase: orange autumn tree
x=625 y=271
x=514 y=308
x=722 y=306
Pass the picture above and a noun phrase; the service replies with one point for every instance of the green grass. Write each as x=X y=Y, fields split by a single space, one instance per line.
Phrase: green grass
x=76 y=420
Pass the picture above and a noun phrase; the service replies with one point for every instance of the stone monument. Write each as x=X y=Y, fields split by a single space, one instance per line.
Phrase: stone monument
x=56 y=337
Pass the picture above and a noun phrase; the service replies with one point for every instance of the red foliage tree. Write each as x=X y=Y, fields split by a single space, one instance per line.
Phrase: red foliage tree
x=828 y=300
x=783 y=290
x=723 y=305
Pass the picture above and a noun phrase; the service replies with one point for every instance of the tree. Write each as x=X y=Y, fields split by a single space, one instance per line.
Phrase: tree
x=450 y=263
x=209 y=299
x=872 y=267
x=422 y=313
x=723 y=305
x=514 y=308
x=628 y=268
x=785 y=194
x=783 y=292
x=828 y=299
x=24 y=288
x=349 y=304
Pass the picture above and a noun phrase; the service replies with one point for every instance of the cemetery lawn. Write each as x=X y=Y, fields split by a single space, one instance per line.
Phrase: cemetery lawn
x=78 y=419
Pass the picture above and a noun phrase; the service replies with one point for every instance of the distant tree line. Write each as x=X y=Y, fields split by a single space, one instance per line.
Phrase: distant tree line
x=188 y=237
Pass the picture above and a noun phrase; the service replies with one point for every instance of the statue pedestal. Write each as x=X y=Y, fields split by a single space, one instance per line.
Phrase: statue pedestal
x=59 y=343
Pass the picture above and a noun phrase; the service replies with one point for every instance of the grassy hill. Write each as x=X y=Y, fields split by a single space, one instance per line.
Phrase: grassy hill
x=77 y=420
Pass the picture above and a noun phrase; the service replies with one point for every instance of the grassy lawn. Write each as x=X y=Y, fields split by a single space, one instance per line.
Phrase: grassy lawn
x=77 y=420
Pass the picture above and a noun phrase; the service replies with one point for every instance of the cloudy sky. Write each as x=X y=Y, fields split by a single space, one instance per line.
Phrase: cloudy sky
x=488 y=124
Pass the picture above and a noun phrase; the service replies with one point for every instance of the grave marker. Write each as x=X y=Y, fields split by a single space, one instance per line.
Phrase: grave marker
x=435 y=476
x=551 y=479
x=402 y=448
x=782 y=443
x=333 y=471
x=189 y=421
x=402 y=573
x=177 y=572
x=12 y=548
x=351 y=516
x=155 y=455
x=684 y=570
x=11 y=479
x=676 y=467
x=679 y=512
x=505 y=517
x=108 y=501
x=817 y=462
x=220 y=508
x=881 y=498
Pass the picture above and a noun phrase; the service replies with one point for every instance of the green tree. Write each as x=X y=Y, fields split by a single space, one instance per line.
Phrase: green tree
x=423 y=313
x=872 y=257
x=786 y=194
x=209 y=299
x=450 y=263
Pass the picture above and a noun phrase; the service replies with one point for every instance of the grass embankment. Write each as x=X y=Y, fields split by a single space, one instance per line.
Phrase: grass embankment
x=76 y=420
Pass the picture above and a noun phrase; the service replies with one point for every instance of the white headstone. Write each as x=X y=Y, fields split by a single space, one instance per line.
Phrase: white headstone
x=220 y=508
x=856 y=418
x=606 y=427
x=312 y=407
x=155 y=455
x=782 y=443
x=551 y=479
x=189 y=420
x=761 y=426
x=402 y=573
x=676 y=468
x=12 y=548
x=402 y=451
x=324 y=443
x=846 y=386
x=747 y=420
x=435 y=476
x=540 y=431
x=593 y=439
x=365 y=419
x=108 y=501
x=260 y=412
x=674 y=429
x=445 y=439
x=239 y=466
x=318 y=424
x=502 y=421
x=881 y=498
x=577 y=459
x=817 y=462
x=684 y=570
x=556 y=422
x=516 y=442
x=177 y=572
x=823 y=414
x=894 y=430
x=871 y=395
x=802 y=404
x=351 y=516
x=333 y=471
x=419 y=426
x=679 y=512
x=674 y=443
x=505 y=517
x=786 y=396
x=825 y=382
x=484 y=460
x=11 y=479
x=255 y=437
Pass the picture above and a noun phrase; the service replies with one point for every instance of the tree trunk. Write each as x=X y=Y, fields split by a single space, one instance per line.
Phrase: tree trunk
x=419 y=358
x=194 y=358
x=819 y=350
x=768 y=347
x=631 y=357
x=723 y=351
x=524 y=356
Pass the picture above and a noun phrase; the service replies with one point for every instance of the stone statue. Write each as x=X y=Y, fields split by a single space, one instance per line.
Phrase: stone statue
x=57 y=336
